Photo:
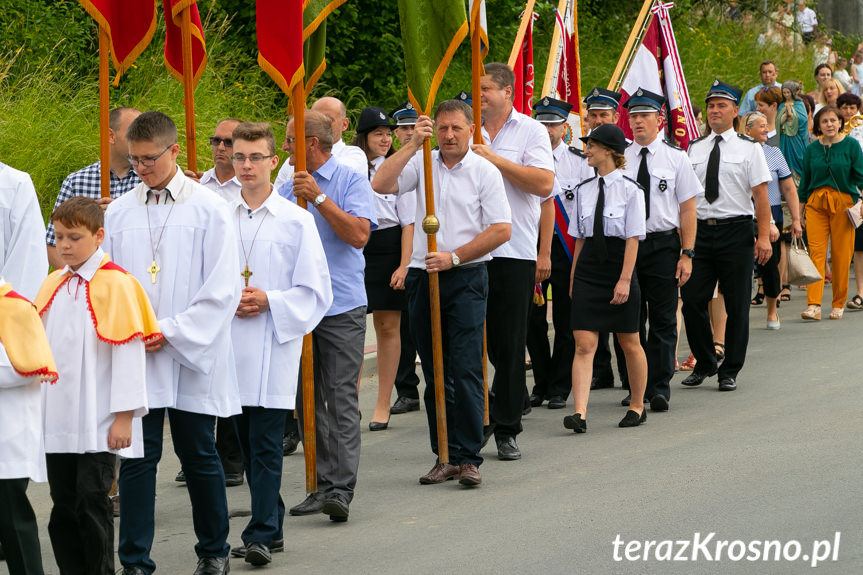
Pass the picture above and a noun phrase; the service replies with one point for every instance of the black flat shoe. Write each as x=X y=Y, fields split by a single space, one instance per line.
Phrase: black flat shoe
x=697 y=378
x=659 y=403
x=633 y=419
x=727 y=384
x=378 y=426
x=575 y=423
x=536 y=400
x=556 y=402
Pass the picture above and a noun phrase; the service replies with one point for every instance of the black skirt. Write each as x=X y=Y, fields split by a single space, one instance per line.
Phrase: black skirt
x=593 y=289
x=383 y=254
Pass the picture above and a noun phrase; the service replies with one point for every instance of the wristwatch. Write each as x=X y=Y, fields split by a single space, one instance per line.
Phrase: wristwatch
x=455 y=260
x=689 y=253
x=319 y=200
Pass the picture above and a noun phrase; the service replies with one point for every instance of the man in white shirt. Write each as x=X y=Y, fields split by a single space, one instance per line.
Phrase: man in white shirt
x=351 y=156
x=221 y=178
x=474 y=217
x=519 y=147
x=768 y=80
x=807 y=21
x=732 y=169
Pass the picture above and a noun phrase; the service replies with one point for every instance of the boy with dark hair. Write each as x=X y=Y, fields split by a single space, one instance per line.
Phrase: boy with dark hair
x=98 y=320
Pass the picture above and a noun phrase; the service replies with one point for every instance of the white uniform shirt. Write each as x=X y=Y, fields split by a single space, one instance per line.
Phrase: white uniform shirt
x=741 y=167
x=468 y=198
x=195 y=294
x=672 y=181
x=393 y=209
x=287 y=261
x=23 y=258
x=351 y=156
x=807 y=20
x=523 y=141
x=22 y=451
x=623 y=213
x=228 y=191
x=570 y=169
x=96 y=379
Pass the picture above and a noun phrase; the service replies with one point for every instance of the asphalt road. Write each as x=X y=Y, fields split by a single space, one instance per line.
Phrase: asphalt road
x=773 y=461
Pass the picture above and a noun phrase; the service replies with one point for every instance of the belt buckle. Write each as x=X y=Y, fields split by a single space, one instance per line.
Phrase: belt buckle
x=712 y=221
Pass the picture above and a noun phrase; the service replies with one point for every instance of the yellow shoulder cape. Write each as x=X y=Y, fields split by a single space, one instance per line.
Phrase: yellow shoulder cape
x=24 y=338
x=118 y=304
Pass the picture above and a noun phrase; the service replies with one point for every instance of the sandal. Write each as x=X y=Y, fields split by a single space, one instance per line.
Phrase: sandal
x=855 y=303
x=759 y=297
x=813 y=312
x=689 y=364
x=836 y=313
x=719 y=349
x=785 y=296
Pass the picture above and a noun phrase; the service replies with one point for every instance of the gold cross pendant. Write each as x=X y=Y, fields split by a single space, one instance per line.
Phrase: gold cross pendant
x=153 y=270
x=247 y=273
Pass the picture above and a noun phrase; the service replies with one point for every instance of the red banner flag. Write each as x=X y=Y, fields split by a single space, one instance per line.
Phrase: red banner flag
x=655 y=66
x=174 y=39
x=522 y=97
x=280 y=41
x=130 y=25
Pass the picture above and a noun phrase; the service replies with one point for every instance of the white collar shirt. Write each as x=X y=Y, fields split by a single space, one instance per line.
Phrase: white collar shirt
x=393 y=209
x=228 y=190
x=807 y=20
x=351 y=156
x=523 y=141
x=623 y=211
x=177 y=191
x=672 y=181
x=741 y=167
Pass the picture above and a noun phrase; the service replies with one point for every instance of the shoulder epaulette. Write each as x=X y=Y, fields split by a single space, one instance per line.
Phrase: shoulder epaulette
x=747 y=138
x=698 y=139
x=672 y=144
x=577 y=152
x=625 y=177
x=585 y=181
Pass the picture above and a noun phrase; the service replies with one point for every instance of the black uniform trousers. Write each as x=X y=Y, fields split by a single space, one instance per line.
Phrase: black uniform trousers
x=228 y=446
x=552 y=367
x=19 y=533
x=724 y=253
x=407 y=381
x=510 y=295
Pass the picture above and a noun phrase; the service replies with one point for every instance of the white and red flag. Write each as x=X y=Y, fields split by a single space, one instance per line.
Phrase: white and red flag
x=565 y=84
x=655 y=66
x=522 y=97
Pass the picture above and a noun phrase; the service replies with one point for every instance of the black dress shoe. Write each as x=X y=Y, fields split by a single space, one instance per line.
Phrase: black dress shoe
x=536 y=400
x=276 y=546
x=527 y=409
x=556 y=402
x=336 y=507
x=233 y=479
x=290 y=443
x=625 y=401
x=727 y=384
x=181 y=477
x=633 y=419
x=128 y=570
x=258 y=554
x=575 y=423
x=659 y=403
x=312 y=505
x=405 y=404
x=697 y=378
x=378 y=426
x=507 y=450
x=213 y=566
x=597 y=383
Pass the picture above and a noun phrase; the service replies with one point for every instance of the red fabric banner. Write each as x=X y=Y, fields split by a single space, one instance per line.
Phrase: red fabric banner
x=130 y=25
x=522 y=97
x=174 y=39
x=280 y=41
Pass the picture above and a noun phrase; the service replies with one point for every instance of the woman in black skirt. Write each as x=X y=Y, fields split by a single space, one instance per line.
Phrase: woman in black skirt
x=387 y=253
x=608 y=222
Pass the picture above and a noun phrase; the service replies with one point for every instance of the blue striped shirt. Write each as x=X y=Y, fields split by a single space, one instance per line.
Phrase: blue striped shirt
x=778 y=171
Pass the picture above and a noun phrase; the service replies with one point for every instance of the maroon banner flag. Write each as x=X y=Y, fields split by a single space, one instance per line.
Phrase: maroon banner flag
x=174 y=39
x=522 y=97
x=280 y=41
x=130 y=25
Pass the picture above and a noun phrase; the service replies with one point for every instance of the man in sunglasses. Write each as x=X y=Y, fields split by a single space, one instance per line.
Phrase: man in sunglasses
x=87 y=181
x=221 y=178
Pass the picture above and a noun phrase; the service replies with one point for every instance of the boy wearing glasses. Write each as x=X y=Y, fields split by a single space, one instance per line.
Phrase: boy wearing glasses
x=176 y=237
x=286 y=292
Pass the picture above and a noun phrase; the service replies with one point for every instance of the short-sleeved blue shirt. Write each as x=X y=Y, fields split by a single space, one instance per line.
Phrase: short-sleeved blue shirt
x=352 y=193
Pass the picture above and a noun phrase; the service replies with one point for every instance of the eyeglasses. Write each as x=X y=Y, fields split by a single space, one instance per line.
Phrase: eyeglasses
x=292 y=140
x=254 y=158
x=214 y=141
x=147 y=162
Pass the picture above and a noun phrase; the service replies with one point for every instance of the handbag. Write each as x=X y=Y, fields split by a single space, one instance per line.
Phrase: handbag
x=855 y=214
x=801 y=270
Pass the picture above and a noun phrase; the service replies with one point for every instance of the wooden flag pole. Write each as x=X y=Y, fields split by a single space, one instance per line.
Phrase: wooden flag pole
x=310 y=450
x=104 y=114
x=634 y=37
x=522 y=30
x=475 y=67
x=553 y=53
x=189 y=90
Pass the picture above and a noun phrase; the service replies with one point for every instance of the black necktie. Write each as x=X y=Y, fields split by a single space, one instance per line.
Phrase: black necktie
x=711 y=185
x=598 y=231
x=644 y=179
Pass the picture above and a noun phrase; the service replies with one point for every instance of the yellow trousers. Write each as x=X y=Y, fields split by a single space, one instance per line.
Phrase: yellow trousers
x=826 y=220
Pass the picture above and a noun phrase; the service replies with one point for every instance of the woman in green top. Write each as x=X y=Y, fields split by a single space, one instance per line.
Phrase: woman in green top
x=832 y=174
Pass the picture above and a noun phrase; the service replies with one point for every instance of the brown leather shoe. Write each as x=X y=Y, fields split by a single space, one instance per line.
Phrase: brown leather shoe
x=469 y=474
x=439 y=473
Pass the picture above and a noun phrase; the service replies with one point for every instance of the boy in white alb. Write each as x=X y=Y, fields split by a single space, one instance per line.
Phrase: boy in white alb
x=98 y=321
x=25 y=361
x=286 y=292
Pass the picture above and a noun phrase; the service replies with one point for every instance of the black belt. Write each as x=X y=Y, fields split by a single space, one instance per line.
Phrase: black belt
x=725 y=221
x=662 y=234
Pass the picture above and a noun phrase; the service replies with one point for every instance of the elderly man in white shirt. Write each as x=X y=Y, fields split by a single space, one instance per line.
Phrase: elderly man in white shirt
x=807 y=21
